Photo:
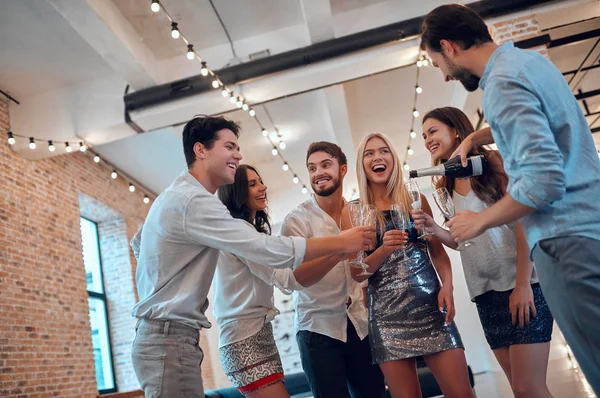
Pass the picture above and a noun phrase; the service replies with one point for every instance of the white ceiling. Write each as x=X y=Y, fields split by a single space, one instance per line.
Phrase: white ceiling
x=70 y=66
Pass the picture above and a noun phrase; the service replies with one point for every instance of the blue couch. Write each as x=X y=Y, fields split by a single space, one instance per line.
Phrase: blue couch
x=297 y=385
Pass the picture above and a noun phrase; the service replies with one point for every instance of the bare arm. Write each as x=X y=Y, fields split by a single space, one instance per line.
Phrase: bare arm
x=311 y=272
x=478 y=138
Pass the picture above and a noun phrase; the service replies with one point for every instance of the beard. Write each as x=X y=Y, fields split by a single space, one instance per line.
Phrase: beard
x=326 y=191
x=469 y=81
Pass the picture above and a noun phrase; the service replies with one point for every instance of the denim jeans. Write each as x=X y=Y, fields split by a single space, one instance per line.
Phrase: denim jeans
x=166 y=359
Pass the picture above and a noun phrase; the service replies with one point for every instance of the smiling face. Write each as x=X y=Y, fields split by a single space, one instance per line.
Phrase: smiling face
x=257 y=192
x=378 y=161
x=222 y=159
x=325 y=173
x=440 y=139
x=448 y=62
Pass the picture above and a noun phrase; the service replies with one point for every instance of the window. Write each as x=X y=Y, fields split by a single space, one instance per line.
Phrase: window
x=105 y=377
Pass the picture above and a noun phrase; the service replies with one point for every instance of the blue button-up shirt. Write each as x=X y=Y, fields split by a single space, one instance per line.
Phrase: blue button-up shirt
x=548 y=149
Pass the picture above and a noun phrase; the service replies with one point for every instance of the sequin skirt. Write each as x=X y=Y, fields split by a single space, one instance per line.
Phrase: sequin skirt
x=404 y=317
x=252 y=363
x=494 y=313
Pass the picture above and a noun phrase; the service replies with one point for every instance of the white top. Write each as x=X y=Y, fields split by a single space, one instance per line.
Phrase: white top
x=321 y=308
x=491 y=262
x=243 y=296
x=178 y=247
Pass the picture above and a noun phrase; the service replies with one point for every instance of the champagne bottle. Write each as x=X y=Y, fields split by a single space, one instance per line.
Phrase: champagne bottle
x=476 y=165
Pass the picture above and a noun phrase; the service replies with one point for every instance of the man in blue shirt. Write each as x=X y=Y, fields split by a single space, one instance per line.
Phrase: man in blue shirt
x=551 y=161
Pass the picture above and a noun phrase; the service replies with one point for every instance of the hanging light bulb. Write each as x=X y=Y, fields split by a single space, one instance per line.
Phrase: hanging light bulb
x=11 y=139
x=304 y=190
x=146 y=199
x=282 y=145
x=239 y=103
x=82 y=147
x=68 y=147
x=413 y=134
x=215 y=83
x=51 y=146
x=252 y=112
x=265 y=132
x=131 y=187
x=232 y=98
x=406 y=166
x=204 y=69
x=225 y=93
x=190 y=53
x=274 y=151
x=97 y=159
x=410 y=151
x=425 y=62
x=32 y=143
x=113 y=175
x=245 y=107
x=419 y=63
x=174 y=30
x=415 y=113
x=155 y=6
x=295 y=179
x=285 y=167
x=418 y=89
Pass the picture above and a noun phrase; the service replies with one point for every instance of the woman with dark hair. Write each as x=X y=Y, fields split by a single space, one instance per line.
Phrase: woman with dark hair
x=500 y=277
x=243 y=296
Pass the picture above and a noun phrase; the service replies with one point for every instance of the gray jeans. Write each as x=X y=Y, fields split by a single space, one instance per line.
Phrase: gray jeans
x=569 y=272
x=166 y=359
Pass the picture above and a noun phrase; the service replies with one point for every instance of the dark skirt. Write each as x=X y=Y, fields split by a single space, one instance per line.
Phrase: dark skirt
x=494 y=313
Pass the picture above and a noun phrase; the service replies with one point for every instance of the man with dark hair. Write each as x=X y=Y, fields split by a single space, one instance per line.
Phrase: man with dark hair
x=549 y=156
x=177 y=251
x=331 y=318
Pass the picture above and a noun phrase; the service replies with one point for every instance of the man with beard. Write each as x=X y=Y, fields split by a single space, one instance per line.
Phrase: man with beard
x=331 y=318
x=549 y=156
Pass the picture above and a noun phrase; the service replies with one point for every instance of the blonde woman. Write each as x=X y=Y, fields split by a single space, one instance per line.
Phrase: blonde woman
x=410 y=311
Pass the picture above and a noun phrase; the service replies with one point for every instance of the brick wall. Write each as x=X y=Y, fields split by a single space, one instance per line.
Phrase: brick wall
x=45 y=341
x=517 y=29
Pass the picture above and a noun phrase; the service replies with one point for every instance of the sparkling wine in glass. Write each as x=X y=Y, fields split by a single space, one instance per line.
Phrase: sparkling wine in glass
x=400 y=219
x=362 y=215
x=414 y=194
x=446 y=204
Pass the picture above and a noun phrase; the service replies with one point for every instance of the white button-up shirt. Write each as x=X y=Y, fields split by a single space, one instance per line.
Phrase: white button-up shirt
x=321 y=308
x=178 y=248
x=243 y=296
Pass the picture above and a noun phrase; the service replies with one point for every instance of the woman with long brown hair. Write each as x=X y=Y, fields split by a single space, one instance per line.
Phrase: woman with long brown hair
x=410 y=312
x=500 y=277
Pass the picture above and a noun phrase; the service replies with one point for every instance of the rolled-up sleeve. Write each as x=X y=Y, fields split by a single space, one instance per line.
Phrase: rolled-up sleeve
x=135 y=243
x=208 y=222
x=538 y=178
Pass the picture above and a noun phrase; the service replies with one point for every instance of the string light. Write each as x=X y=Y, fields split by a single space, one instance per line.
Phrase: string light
x=11 y=139
x=51 y=146
x=190 y=52
x=421 y=62
x=32 y=145
x=413 y=134
x=131 y=187
x=146 y=199
x=415 y=113
x=418 y=89
x=174 y=30
x=82 y=147
x=68 y=147
x=96 y=159
x=304 y=190
x=406 y=166
x=295 y=180
x=113 y=175
x=227 y=92
x=285 y=167
x=410 y=151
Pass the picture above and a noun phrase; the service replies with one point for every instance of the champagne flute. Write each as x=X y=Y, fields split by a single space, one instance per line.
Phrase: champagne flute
x=414 y=194
x=400 y=219
x=446 y=204
x=362 y=215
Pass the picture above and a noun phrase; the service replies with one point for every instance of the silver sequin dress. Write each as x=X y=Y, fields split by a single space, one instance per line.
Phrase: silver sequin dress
x=404 y=318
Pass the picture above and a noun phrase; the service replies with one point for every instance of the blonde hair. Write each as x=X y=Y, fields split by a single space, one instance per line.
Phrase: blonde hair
x=395 y=186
